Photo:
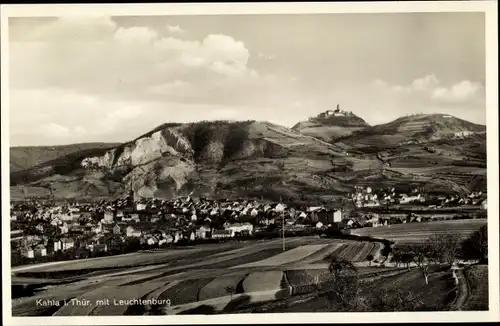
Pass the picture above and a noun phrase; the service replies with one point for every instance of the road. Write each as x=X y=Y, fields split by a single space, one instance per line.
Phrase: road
x=463 y=290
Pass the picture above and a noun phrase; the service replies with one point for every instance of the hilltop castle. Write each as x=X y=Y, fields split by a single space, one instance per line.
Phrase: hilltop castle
x=335 y=113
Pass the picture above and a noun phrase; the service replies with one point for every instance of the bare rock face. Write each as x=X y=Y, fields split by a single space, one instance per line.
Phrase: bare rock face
x=165 y=174
x=140 y=151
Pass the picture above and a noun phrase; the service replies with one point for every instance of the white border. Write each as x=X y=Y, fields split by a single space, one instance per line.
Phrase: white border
x=488 y=7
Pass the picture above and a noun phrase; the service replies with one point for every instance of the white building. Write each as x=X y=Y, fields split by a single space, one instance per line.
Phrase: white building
x=239 y=228
x=27 y=252
x=202 y=232
x=108 y=217
x=337 y=216
x=40 y=251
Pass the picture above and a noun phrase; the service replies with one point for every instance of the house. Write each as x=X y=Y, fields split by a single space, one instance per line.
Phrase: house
x=192 y=236
x=151 y=241
x=64 y=228
x=39 y=227
x=131 y=232
x=97 y=228
x=40 y=251
x=140 y=207
x=114 y=244
x=169 y=238
x=27 y=252
x=108 y=217
x=117 y=229
x=67 y=243
x=484 y=204
x=55 y=221
x=97 y=247
x=337 y=216
x=239 y=228
x=203 y=232
x=280 y=208
x=135 y=217
x=319 y=225
x=221 y=234
x=177 y=237
x=54 y=245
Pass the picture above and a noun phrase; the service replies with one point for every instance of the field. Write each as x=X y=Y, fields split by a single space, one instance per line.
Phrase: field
x=216 y=275
x=235 y=276
x=420 y=232
x=437 y=295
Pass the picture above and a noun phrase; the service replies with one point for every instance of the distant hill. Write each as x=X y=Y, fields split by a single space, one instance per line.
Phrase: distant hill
x=414 y=129
x=25 y=157
x=261 y=159
x=331 y=124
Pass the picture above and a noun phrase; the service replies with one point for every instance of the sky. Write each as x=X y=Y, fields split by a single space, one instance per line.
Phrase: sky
x=110 y=79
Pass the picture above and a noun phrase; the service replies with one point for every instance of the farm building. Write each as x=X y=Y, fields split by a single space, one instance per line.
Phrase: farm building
x=239 y=229
x=27 y=252
x=40 y=251
x=67 y=243
x=221 y=234
x=203 y=232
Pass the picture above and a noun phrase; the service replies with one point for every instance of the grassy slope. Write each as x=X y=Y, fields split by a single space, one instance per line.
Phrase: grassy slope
x=477 y=277
x=26 y=157
x=436 y=295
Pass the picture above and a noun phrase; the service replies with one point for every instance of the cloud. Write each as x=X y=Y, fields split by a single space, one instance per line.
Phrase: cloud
x=425 y=83
x=430 y=87
x=460 y=92
x=135 y=35
x=104 y=59
x=98 y=80
x=175 y=29
x=427 y=94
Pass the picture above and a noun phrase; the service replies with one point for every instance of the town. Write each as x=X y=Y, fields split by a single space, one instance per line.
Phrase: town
x=43 y=231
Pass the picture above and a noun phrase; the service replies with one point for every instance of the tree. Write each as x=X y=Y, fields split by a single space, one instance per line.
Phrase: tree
x=476 y=245
x=369 y=258
x=403 y=255
x=343 y=286
x=422 y=258
x=444 y=248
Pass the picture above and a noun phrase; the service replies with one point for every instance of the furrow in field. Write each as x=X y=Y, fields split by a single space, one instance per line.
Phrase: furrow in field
x=363 y=252
x=287 y=256
x=320 y=255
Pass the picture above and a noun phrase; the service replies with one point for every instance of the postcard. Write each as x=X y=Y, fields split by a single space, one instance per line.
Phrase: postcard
x=250 y=163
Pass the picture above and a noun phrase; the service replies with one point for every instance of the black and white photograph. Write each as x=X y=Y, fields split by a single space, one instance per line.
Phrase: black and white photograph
x=220 y=163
